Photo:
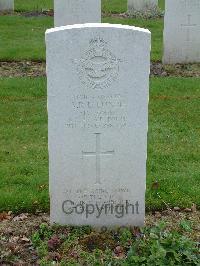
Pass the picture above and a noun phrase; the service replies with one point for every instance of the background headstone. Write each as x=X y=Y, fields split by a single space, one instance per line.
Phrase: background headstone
x=141 y=5
x=6 y=5
x=98 y=79
x=182 y=31
x=68 y=12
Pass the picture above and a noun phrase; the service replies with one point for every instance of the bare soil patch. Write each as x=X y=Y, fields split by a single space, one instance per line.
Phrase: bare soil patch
x=48 y=13
x=36 y=69
x=177 y=70
x=22 y=69
x=42 y=13
x=16 y=231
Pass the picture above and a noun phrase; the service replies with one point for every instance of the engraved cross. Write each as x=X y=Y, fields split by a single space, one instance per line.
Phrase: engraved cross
x=188 y=25
x=98 y=155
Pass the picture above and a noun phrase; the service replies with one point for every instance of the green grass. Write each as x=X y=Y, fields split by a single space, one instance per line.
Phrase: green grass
x=114 y=6
x=30 y=5
x=23 y=151
x=27 y=42
x=23 y=38
x=173 y=151
x=161 y=4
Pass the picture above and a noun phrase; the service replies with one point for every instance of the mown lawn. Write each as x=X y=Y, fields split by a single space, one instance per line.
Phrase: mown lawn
x=173 y=147
x=23 y=151
x=114 y=6
x=22 y=38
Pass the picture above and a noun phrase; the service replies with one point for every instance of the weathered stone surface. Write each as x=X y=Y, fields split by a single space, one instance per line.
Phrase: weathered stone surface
x=182 y=31
x=6 y=5
x=141 y=5
x=98 y=79
x=68 y=12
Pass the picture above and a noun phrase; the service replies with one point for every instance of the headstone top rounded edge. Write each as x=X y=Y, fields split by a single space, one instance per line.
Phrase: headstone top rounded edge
x=97 y=25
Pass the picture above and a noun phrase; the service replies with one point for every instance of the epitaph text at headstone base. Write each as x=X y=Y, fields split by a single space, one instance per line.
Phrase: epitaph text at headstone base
x=141 y=5
x=98 y=116
x=68 y=12
x=6 y=5
x=182 y=31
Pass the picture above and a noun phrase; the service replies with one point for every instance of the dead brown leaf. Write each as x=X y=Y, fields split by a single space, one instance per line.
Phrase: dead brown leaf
x=4 y=216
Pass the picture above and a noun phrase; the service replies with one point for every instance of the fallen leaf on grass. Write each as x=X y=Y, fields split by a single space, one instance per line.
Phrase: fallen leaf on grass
x=176 y=209
x=119 y=251
x=53 y=242
x=25 y=239
x=4 y=216
x=20 y=217
x=155 y=185
x=188 y=210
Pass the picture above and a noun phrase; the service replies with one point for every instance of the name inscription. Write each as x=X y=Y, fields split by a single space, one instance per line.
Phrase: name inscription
x=98 y=111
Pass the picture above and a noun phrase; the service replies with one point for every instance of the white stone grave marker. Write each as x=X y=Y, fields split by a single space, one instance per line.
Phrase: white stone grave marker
x=182 y=31
x=98 y=80
x=68 y=12
x=141 y=5
x=6 y=5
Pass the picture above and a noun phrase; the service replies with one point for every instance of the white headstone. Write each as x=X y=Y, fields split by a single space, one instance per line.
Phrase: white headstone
x=6 y=5
x=68 y=12
x=182 y=31
x=141 y=5
x=98 y=79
